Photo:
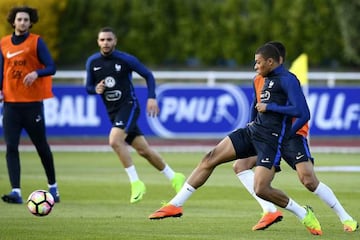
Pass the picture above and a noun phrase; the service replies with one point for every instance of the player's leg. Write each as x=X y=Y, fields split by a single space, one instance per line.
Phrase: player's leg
x=307 y=176
x=142 y=147
x=12 y=130
x=34 y=125
x=263 y=189
x=123 y=121
x=117 y=142
x=297 y=155
x=270 y=215
x=267 y=164
x=223 y=152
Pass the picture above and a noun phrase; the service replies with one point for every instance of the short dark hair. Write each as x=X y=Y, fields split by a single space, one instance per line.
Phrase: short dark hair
x=269 y=51
x=33 y=14
x=280 y=47
x=107 y=29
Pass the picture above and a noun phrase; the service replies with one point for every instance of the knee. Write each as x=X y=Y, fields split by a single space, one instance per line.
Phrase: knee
x=208 y=162
x=12 y=148
x=310 y=183
x=241 y=165
x=114 y=144
x=143 y=152
x=260 y=192
x=238 y=167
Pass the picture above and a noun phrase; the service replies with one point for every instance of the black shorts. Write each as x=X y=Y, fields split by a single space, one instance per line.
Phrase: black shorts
x=242 y=143
x=246 y=145
x=296 y=150
x=126 y=118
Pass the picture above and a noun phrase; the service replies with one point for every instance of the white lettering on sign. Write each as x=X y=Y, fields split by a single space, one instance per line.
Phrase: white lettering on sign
x=195 y=109
x=192 y=108
x=71 y=111
x=333 y=116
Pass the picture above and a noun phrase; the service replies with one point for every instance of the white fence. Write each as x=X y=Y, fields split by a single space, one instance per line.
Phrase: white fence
x=212 y=77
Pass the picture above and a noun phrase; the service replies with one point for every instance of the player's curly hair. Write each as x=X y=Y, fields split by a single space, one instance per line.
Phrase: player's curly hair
x=33 y=13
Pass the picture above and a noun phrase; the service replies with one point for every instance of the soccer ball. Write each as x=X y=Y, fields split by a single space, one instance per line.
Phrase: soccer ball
x=40 y=203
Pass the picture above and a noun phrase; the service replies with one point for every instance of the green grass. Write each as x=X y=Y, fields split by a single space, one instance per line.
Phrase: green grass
x=95 y=201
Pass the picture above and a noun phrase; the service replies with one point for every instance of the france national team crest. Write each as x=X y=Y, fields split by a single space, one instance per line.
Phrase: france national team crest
x=117 y=67
x=199 y=111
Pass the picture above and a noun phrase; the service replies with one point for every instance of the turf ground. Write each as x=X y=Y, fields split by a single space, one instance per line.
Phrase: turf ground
x=95 y=201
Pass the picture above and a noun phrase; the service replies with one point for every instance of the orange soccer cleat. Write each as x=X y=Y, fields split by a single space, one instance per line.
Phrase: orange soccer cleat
x=267 y=220
x=167 y=211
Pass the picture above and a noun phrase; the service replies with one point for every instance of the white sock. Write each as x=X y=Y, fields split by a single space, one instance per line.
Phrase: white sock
x=295 y=208
x=52 y=185
x=132 y=174
x=327 y=195
x=168 y=172
x=180 y=198
x=17 y=190
x=247 y=179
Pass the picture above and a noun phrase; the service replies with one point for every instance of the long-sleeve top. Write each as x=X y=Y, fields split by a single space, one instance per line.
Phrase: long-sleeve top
x=116 y=70
x=285 y=99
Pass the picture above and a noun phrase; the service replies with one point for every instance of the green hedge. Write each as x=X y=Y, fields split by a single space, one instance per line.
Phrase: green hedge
x=204 y=33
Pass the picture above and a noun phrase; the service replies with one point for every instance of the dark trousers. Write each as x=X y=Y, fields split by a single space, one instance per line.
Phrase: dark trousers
x=30 y=117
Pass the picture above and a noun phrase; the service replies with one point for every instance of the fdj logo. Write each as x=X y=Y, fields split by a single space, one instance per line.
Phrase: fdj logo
x=199 y=111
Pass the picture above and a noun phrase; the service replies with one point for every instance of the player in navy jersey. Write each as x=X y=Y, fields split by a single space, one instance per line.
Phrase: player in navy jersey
x=281 y=99
x=109 y=74
x=295 y=151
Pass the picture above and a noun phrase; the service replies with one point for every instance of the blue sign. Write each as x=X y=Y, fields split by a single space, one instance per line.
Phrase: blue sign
x=196 y=111
x=334 y=111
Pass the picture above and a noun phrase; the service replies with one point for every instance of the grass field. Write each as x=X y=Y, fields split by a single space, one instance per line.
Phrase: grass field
x=95 y=201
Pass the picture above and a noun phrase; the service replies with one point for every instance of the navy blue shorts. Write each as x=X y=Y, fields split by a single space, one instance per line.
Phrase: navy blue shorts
x=242 y=143
x=126 y=118
x=295 y=150
x=247 y=145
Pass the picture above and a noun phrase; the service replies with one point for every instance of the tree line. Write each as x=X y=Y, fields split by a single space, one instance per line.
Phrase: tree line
x=199 y=33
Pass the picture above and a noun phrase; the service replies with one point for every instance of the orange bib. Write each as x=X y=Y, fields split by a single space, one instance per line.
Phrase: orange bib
x=19 y=60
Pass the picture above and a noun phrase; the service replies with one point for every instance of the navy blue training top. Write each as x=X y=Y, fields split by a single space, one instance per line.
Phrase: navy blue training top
x=116 y=69
x=42 y=52
x=285 y=99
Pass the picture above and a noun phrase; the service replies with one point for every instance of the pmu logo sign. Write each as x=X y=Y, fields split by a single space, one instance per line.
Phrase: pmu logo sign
x=199 y=111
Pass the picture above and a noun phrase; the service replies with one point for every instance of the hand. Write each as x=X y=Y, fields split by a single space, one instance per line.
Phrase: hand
x=152 y=107
x=250 y=123
x=100 y=87
x=261 y=107
x=30 y=78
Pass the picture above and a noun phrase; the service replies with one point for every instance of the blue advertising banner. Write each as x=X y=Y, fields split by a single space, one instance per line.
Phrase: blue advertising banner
x=197 y=111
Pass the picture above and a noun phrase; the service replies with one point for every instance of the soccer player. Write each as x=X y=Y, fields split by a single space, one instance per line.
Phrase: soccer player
x=109 y=74
x=280 y=97
x=25 y=81
x=296 y=153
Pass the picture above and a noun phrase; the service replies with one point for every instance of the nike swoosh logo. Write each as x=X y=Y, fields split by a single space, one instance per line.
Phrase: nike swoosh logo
x=97 y=68
x=10 y=55
x=298 y=157
x=137 y=196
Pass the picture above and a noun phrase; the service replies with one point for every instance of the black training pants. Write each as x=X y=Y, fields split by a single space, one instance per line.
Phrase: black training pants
x=28 y=116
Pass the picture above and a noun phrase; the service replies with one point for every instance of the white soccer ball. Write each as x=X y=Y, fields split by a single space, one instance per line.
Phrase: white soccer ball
x=40 y=203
